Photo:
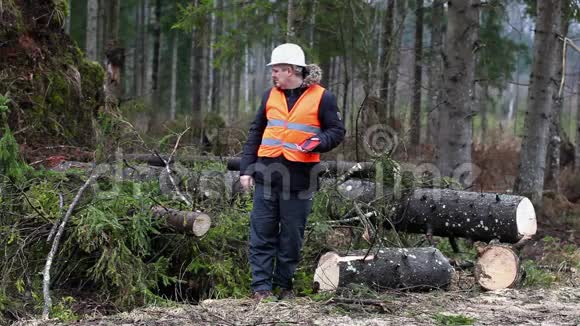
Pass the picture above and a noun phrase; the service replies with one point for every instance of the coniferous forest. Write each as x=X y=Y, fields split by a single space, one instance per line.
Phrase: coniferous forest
x=122 y=125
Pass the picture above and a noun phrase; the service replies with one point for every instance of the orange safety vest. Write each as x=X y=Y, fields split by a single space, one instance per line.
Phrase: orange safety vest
x=286 y=130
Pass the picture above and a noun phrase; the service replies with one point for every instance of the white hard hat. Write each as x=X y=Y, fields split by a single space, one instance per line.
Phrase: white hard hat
x=288 y=53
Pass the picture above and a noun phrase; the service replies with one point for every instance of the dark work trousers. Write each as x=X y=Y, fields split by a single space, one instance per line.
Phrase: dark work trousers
x=277 y=225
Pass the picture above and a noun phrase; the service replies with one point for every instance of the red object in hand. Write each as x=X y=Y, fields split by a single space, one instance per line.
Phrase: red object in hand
x=309 y=144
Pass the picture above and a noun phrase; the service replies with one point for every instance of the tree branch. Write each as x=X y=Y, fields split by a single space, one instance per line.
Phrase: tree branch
x=54 y=248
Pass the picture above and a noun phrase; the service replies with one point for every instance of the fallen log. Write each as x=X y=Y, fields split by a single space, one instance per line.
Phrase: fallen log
x=208 y=184
x=440 y=212
x=354 y=189
x=195 y=223
x=154 y=160
x=334 y=168
x=386 y=268
x=497 y=267
x=477 y=216
x=217 y=185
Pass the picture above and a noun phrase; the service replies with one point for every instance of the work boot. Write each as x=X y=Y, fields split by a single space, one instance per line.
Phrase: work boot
x=286 y=294
x=264 y=295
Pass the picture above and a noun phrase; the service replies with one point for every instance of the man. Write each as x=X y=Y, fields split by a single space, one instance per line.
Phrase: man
x=297 y=120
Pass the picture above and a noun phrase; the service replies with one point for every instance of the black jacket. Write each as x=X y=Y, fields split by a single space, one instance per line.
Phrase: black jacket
x=278 y=172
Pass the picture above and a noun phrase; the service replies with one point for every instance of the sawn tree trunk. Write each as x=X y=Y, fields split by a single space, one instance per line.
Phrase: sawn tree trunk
x=196 y=223
x=386 y=268
x=473 y=215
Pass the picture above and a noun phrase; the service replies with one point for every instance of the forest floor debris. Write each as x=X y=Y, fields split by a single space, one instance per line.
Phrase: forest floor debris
x=553 y=306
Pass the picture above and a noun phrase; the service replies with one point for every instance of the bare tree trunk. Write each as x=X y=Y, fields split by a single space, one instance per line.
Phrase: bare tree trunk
x=290 y=31
x=228 y=86
x=455 y=128
x=206 y=70
x=259 y=72
x=513 y=113
x=148 y=51
x=92 y=29
x=246 y=79
x=139 y=50
x=197 y=67
x=552 y=180
x=67 y=19
x=236 y=85
x=415 y=118
x=401 y=12
x=114 y=53
x=386 y=64
x=530 y=180
x=345 y=90
x=483 y=99
x=130 y=62
x=435 y=71
x=113 y=13
x=237 y=78
x=210 y=62
x=330 y=77
x=577 y=147
x=101 y=31
x=336 y=79
x=378 y=22
x=312 y=23
x=156 y=46
x=517 y=96
x=217 y=74
x=552 y=177
x=174 y=56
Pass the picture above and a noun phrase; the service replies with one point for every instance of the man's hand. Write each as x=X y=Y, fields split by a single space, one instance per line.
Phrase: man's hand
x=309 y=145
x=247 y=182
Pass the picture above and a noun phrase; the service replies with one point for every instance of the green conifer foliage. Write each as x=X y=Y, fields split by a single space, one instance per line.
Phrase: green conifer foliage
x=10 y=164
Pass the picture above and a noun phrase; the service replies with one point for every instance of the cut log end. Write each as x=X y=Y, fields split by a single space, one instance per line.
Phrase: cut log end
x=201 y=225
x=196 y=223
x=327 y=273
x=526 y=218
x=497 y=268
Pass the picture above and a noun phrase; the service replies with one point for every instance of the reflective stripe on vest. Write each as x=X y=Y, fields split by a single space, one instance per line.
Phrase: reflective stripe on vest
x=286 y=130
x=295 y=126
x=278 y=142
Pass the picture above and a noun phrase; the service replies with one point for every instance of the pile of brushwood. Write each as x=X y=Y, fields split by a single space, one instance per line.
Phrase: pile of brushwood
x=156 y=228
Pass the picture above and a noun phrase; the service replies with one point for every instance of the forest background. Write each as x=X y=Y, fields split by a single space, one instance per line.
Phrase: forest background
x=482 y=95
